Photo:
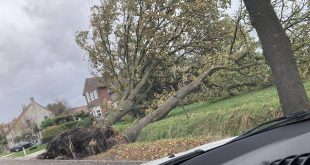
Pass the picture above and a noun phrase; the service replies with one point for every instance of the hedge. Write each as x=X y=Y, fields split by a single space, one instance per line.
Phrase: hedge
x=50 y=132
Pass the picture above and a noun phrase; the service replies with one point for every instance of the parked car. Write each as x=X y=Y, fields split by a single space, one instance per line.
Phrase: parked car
x=282 y=141
x=20 y=146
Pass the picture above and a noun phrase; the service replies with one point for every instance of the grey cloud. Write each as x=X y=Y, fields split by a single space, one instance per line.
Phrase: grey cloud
x=38 y=55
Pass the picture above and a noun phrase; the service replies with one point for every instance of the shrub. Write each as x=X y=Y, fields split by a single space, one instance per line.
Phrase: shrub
x=71 y=124
x=50 y=132
x=86 y=123
x=82 y=115
x=47 y=122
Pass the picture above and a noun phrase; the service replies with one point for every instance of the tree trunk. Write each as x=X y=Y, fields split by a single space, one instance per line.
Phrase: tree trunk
x=124 y=108
x=133 y=132
x=278 y=53
x=130 y=100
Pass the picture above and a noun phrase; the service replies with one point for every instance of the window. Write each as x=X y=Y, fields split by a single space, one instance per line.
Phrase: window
x=95 y=95
x=96 y=111
x=91 y=96
x=87 y=97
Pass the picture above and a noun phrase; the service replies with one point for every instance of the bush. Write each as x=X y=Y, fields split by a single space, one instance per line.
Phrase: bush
x=86 y=123
x=50 y=132
x=71 y=124
x=82 y=115
x=47 y=122
x=2 y=140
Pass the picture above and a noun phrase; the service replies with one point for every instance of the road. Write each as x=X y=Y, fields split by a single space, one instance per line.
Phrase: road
x=29 y=160
x=67 y=162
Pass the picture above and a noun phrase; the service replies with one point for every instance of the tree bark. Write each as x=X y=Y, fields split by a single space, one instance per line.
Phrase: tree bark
x=278 y=53
x=124 y=108
x=133 y=132
x=130 y=100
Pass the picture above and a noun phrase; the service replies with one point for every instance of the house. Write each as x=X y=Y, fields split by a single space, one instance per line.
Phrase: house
x=27 y=124
x=4 y=127
x=98 y=97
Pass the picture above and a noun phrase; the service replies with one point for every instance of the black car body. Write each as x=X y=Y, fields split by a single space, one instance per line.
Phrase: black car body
x=20 y=146
x=280 y=142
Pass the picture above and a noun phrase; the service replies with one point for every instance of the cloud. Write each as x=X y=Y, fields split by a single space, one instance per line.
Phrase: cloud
x=38 y=54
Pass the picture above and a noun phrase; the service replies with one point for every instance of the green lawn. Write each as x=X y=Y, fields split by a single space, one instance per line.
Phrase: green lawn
x=21 y=153
x=3 y=154
x=228 y=117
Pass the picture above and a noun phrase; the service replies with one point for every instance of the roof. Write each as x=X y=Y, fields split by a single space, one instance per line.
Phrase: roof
x=25 y=109
x=79 y=109
x=97 y=82
x=18 y=118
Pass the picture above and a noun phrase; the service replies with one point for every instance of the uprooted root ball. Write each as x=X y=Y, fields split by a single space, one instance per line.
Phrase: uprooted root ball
x=81 y=142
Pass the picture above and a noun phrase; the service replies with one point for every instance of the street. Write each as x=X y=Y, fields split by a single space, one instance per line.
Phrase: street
x=67 y=162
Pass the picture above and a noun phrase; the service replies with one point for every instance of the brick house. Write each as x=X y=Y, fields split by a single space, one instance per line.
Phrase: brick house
x=98 y=97
x=28 y=122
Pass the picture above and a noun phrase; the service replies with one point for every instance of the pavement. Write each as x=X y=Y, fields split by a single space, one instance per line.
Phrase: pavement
x=27 y=157
x=33 y=155
x=30 y=160
x=67 y=162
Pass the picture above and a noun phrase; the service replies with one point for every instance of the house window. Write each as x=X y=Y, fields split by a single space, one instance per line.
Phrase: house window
x=96 y=111
x=89 y=97
x=95 y=95
x=86 y=97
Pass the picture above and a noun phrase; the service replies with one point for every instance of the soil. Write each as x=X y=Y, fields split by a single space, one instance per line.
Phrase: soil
x=78 y=143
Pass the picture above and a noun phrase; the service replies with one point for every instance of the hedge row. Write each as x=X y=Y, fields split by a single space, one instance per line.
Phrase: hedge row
x=51 y=131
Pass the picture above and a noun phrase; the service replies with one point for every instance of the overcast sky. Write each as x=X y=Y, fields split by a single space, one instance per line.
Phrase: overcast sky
x=38 y=54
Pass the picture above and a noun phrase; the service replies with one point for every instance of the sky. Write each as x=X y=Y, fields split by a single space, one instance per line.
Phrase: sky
x=38 y=54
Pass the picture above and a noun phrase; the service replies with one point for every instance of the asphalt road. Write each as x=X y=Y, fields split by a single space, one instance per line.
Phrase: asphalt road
x=68 y=162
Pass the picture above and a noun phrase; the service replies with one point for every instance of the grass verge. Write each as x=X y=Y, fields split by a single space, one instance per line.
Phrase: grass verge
x=4 y=154
x=21 y=153
x=228 y=117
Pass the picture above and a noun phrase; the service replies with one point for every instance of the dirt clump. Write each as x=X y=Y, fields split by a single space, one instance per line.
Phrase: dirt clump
x=78 y=143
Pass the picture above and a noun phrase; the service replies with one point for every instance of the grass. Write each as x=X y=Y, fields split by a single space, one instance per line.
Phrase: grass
x=228 y=117
x=3 y=154
x=21 y=153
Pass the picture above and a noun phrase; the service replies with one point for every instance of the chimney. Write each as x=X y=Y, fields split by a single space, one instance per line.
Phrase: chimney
x=32 y=100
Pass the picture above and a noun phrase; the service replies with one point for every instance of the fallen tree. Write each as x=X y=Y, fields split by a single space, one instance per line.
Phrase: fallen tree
x=154 y=43
x=162 y=111
x=80 y=142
